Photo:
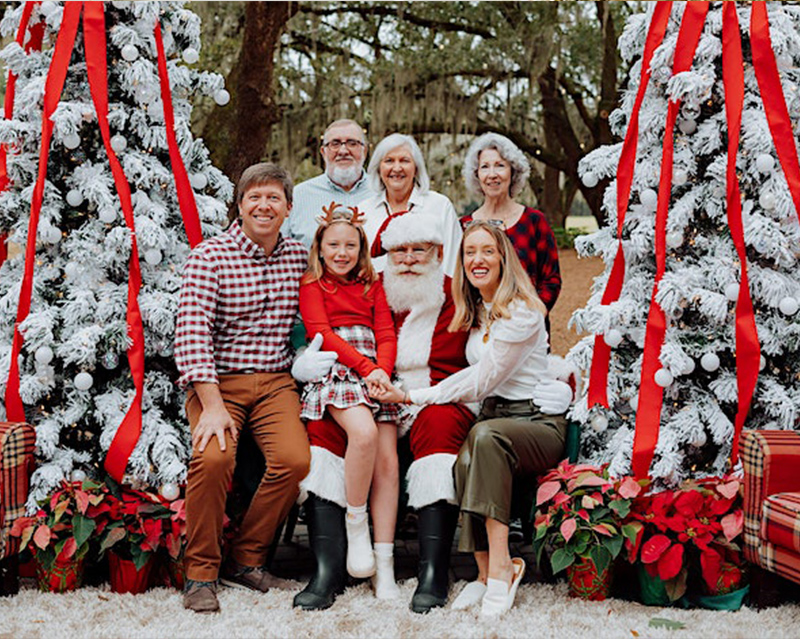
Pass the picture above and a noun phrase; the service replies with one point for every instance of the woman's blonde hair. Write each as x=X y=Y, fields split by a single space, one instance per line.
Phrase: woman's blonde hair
x=515 y=283
x=364 y=271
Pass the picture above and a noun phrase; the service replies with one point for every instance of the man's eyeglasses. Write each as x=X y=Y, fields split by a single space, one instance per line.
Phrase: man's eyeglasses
x=498 y=223
x=417 y=252
x=351 y=145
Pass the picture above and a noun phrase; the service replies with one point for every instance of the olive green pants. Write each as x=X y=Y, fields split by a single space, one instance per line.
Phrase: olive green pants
x=510 y=439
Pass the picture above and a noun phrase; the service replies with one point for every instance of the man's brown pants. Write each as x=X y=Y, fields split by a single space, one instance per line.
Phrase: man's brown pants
x=269 y=405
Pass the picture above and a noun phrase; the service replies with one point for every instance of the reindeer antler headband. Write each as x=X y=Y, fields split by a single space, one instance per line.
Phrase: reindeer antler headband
x=356 y=217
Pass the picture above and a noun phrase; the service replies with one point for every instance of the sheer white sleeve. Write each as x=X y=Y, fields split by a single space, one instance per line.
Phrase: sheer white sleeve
x=511 y=344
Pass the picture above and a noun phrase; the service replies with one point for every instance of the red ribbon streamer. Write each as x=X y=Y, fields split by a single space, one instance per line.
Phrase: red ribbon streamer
x=651 y=395
x=186 y=201
x=53 y=87
x=127 y=434
x=598 y=377
x=748 y=350
x=769 y=84
x=34 y=42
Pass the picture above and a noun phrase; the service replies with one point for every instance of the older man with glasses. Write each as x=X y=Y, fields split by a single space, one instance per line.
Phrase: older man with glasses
x=344 y=149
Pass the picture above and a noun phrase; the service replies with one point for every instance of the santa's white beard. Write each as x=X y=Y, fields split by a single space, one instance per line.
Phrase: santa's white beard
x=418 y=291
x=344 y=176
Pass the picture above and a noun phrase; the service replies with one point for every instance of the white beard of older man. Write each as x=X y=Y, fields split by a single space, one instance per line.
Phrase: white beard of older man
x=419 y=295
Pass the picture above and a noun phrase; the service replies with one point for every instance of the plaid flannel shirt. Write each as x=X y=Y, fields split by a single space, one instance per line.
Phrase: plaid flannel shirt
x=237 y=307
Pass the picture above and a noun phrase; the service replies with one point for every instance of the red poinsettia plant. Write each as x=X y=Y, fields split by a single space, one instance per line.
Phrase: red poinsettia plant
x=135 y=533
x=580 y=513
x=66 y=522
x=701 y=518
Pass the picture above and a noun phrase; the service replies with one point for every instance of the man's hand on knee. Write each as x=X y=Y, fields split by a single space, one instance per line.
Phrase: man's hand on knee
x=313 y=364
x=552 y=396
x=214 y=421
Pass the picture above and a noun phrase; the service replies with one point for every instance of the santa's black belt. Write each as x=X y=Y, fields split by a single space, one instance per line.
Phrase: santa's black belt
x=495 y=404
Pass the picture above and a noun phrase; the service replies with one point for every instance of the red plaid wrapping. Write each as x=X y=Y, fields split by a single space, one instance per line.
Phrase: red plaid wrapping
x=770 y=459
x=17 y=442
x=342 y=387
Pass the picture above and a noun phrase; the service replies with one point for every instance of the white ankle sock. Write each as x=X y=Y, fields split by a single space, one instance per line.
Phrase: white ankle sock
x=383 y=582
x=356 y=514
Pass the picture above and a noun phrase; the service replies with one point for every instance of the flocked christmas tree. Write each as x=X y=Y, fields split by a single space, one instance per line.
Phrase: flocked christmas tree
x=696 y=366
x=75 y=380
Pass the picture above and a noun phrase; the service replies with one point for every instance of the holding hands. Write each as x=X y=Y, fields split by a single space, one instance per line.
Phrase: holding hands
x=389 y=394
x=377 y=382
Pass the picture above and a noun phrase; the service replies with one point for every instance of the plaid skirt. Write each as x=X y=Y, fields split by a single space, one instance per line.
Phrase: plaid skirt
x=343 y=387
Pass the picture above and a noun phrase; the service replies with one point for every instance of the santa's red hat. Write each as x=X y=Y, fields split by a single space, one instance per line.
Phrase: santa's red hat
x=406 y=227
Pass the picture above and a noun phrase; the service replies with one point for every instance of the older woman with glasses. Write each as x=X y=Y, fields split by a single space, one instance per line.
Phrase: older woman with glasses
x=513 y=437
x=398 y=176
x=497 y=170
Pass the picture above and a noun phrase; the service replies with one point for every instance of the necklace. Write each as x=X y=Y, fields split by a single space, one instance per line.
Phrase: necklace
x=489 y=322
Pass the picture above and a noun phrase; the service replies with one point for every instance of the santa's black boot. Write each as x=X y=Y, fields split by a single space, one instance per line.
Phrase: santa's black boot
x=328 y=541
x=437 y=525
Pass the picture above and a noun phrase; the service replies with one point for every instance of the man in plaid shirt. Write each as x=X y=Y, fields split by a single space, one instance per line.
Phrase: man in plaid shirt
x=238 y=303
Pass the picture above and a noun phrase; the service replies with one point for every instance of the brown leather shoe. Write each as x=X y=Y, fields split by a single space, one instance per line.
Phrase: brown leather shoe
x=201 y=596
x=252 y=578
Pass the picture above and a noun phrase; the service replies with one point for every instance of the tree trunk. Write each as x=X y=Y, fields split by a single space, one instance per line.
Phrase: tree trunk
x=238 y=133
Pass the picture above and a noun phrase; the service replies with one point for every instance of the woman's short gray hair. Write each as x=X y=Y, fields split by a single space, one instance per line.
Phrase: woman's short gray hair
x=390 y=143
x=510 y=152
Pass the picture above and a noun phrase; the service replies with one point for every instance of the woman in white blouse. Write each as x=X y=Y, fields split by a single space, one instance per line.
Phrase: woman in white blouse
x=507 y=352
x=399 y=179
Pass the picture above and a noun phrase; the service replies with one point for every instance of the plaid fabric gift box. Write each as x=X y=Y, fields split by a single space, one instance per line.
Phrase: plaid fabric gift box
x=17 y=442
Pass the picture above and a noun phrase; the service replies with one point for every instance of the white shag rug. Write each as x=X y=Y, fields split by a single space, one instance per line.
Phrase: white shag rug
x=540 y=611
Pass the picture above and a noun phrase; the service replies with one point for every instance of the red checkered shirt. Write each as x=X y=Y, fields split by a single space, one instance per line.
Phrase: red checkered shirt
x=237 y=307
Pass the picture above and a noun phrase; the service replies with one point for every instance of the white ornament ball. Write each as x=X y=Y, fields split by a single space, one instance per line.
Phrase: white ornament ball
x=766 y=200
x=690 y=110
x=170 y=491
x=199 y=181
x=119 y=143
x=663 y=377
x=590 y=179
x=54 y=235
x=77 y=475
x=71 y=270
x=83 y=381
x=732 y=291
x=120 y=4
x=74 y=197
x=152 y=256
x=762 y=363
x=649 y=199
x=689 y=368
x=222 y=97
x=71 y=140
x=688 y=126
x=47 y=8
x=599 y=423
x=674 y=239
x=709 y=362
x=634 y=401
x=156 y=110
x=107 y=215
x=613 y=338
x=765 y=163
x=680 y=177
x=788 y=306
x=700 y=440
x=129 y=52
x=43 y=355
x=190 y=55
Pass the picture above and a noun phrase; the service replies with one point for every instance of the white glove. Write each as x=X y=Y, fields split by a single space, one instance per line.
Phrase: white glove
x=552 y=396
x=313 y=364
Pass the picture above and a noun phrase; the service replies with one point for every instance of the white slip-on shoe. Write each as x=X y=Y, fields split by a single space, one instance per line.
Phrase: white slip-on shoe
x=471 y=594
x=499 y=597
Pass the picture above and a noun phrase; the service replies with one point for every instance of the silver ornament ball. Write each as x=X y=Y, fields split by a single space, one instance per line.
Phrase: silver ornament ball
x=190 y=55
x=170 y=491
x=129 y=52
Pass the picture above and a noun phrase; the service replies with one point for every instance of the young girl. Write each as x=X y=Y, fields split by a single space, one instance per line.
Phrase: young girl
x=342 y=298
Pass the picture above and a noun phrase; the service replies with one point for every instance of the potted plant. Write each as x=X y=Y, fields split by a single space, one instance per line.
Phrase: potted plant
x=62 y=530
x=690 y=531
x=579 y=516
x=132 y=537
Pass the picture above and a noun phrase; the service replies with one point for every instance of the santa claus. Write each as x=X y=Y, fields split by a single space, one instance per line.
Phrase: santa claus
x=419 y=295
